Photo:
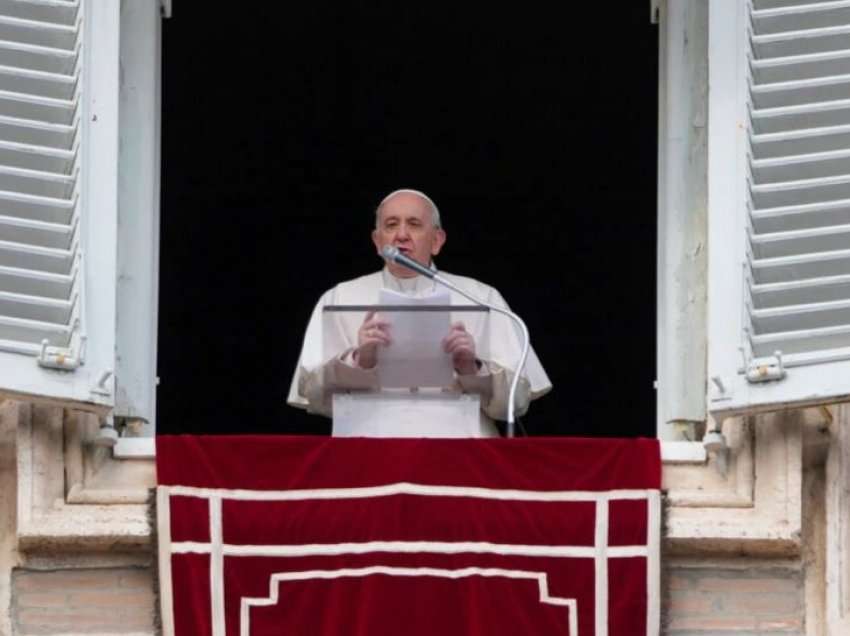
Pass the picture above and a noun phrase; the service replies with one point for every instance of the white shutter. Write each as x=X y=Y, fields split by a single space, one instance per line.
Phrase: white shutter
x=58 y=198
x=779 y=203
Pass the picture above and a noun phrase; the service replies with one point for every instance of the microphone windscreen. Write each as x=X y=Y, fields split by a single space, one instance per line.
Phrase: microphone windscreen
x=389 y=252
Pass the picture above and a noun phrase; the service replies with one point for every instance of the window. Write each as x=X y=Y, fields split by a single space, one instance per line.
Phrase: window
x=79 y=204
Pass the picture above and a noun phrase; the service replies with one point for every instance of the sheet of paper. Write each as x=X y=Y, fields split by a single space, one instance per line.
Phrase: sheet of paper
x=415 y=358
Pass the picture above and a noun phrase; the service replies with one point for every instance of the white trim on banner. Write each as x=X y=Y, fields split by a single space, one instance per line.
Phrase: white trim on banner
x=410 y=547
x=216 y=568
x=275 y=579
x=163 y=529
x=653 y=563
x=406 y=488
x=600 y=563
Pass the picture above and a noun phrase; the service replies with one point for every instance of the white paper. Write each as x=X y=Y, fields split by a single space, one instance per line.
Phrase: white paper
x=415 y=356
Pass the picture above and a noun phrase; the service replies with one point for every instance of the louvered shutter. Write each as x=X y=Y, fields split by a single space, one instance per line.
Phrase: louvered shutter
x=58 y=198
x=779 y=203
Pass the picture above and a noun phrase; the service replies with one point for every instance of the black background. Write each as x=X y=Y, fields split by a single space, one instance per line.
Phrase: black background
x=534 y=131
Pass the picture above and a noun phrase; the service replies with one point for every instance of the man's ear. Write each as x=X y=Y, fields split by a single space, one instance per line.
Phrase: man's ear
x=438 y=242
x=376 y=242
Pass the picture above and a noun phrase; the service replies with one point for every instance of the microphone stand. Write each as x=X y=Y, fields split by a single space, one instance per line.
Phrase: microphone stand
x=393 y=254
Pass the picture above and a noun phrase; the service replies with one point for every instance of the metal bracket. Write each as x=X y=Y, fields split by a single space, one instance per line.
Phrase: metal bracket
x=719 y=389
x=766 y=369
x=100 y=387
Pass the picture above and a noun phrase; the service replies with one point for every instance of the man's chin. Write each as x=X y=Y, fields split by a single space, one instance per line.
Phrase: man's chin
x=399 y=271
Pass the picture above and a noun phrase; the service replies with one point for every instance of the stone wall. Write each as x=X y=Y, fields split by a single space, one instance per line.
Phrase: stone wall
x=75 y=551
x=82 y=601
x=739 y=596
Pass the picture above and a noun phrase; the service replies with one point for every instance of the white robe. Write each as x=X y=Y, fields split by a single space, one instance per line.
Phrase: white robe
x=325 y=366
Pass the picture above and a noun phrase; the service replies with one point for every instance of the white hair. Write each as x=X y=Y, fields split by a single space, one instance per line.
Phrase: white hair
x=435 y=213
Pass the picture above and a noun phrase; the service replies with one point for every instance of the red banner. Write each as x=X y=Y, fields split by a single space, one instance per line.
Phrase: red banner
x=320 y=536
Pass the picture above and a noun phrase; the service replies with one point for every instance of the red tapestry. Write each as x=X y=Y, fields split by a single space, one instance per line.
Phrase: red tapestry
x=317 y=536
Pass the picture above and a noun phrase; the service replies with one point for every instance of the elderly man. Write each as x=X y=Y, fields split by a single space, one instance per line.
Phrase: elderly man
x=410 y=221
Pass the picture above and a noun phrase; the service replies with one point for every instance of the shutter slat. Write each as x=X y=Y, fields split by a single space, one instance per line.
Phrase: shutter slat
x=800 y=67
x=806 y=142
x=26 y=281
x=773 y=4
x=36 y=182
x=801 y=317
x=46 y=34
x=800 y=117
x=37 y=133
x=801 y=292
x=52 y=111
x=803 y=166
x=803 y=341
x=53 y=85
x=37 y=208
x=45 y=259
x=803 y=17
x=39 y=158
x=800 y=267
x=33 y=331
x=55 y=235
x=805 y=42
x=812 y=90
x=797 y=217
x=35 y=308
x=805 y=191
x=37 y=58
x=808 y=241
x=41 y=10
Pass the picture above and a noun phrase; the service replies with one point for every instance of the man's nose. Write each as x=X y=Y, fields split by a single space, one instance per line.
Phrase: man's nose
x=402 y=233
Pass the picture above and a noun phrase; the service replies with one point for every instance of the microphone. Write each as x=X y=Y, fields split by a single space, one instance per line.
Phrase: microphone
x=392 y=253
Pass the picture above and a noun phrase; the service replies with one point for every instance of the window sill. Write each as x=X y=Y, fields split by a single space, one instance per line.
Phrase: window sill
x=671 y=452
x=683 y=453
x=134 y=448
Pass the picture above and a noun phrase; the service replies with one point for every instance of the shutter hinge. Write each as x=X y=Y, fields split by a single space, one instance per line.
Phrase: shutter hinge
x=766 y=369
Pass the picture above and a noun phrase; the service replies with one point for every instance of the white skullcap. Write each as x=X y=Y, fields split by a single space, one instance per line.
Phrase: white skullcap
x=419 y=193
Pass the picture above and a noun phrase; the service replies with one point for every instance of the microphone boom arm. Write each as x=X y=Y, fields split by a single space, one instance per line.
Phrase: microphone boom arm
x=511 y=428
x=392 y=253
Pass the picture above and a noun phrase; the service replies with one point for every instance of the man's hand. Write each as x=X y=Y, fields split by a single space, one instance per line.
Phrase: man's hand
x=461 y=345
x=373 y=332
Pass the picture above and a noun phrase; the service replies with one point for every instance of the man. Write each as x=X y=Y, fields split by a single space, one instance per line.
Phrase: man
x=410 y=221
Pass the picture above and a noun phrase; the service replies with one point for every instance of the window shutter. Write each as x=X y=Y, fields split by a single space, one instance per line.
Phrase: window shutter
x=779 y=203
x=58 y=198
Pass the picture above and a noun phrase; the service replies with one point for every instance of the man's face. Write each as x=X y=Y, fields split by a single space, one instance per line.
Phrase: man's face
x=405 y=222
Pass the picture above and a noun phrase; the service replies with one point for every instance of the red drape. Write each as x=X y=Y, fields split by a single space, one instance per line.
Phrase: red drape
x=327 y=536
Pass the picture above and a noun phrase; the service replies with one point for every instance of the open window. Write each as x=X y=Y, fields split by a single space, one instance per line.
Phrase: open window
x=79 y=204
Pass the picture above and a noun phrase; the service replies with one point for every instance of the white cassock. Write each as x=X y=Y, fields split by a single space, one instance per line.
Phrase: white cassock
x=325 y=365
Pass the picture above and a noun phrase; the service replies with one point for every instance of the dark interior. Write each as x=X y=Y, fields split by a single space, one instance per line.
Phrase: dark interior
x=535 y=133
